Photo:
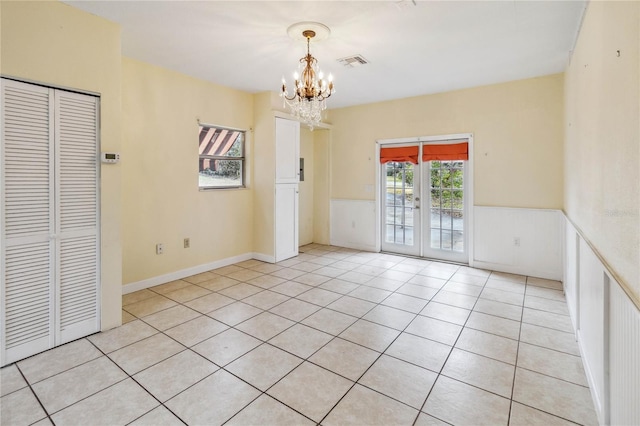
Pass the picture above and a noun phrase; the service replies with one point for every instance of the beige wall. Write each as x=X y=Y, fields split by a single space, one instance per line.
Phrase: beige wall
x=602 y=182
x=161 y=199
x=321 y=185
x=264 y=166
x=517 y=128
x=306 y=187
x=54 y=44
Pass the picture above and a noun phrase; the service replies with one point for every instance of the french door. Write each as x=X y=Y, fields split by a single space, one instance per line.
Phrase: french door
x=445 y=237
x=401 y=212
x=425 y=199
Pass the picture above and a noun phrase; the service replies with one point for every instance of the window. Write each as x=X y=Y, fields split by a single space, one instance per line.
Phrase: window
x=221 y=162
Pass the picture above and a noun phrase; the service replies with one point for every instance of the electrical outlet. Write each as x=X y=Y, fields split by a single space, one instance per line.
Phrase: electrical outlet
x=187 y=243
x=159 y=248
x=516 y=241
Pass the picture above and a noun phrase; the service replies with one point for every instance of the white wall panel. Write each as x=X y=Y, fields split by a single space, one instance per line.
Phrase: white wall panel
x=608 y=324
x=519 y=241
x=570 y=280
x=353 y=224
x=591 y=332
x=624 y=359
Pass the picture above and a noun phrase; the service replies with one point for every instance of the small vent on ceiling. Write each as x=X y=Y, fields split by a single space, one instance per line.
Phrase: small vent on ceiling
x=353 y=61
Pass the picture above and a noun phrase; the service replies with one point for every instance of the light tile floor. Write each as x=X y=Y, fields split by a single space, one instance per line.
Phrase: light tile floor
x=333 y=336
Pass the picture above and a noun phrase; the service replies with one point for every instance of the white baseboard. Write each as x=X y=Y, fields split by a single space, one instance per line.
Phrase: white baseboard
x=355 y=246
x=183 y=273
x=264 y=257
x=518 y=269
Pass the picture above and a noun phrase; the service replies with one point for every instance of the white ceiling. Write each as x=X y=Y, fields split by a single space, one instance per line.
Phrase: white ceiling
x=413 y=48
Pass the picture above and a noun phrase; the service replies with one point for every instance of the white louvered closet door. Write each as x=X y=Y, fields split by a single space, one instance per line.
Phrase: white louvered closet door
x=76 y=127
x=27 y=246
x=48 y=219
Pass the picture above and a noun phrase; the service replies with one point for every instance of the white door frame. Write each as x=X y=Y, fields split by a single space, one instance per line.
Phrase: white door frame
x=469 y=206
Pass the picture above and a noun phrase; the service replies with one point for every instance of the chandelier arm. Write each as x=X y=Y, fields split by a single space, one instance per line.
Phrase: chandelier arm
x=322 y=97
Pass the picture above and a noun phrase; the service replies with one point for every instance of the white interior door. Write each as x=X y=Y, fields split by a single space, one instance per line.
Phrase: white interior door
x=287 y=151
x=286 y=232
x=401 y=228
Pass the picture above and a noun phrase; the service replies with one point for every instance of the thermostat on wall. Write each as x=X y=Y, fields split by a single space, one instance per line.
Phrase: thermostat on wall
x=110 y=157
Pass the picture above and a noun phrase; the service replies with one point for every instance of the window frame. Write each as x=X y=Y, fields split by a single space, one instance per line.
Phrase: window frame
x=242 y=158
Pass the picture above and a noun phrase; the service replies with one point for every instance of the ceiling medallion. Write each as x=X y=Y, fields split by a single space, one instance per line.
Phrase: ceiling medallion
x=311 y=89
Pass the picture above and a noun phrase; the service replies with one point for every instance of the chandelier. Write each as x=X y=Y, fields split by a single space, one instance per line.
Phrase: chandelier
x=311 y=89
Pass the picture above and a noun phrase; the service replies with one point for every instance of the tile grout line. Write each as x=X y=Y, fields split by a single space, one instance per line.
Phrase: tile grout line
x=46 y=412
x=362 y=317
x=311 y=362
x=515 y=367
x=371 y=365
x=129 y=376
x=30 y=385
x=235 y=359
x=150 y=366
x=267 y=343
x=452 y=348
x=341 y=295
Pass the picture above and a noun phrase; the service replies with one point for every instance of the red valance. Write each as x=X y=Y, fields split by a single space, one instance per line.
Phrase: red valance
x=402 y=154
x=445 y=152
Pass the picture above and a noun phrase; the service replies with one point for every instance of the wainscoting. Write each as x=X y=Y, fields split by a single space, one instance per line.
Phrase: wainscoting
x=607 y=326
x=353 y=224
x=518 y=241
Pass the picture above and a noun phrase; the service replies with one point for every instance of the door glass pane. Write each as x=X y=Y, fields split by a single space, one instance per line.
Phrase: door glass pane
x=447 y=205
x=446 y=240
x=400 y=203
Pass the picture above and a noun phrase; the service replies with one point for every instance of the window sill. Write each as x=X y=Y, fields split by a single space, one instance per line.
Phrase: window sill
x=222 y=188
